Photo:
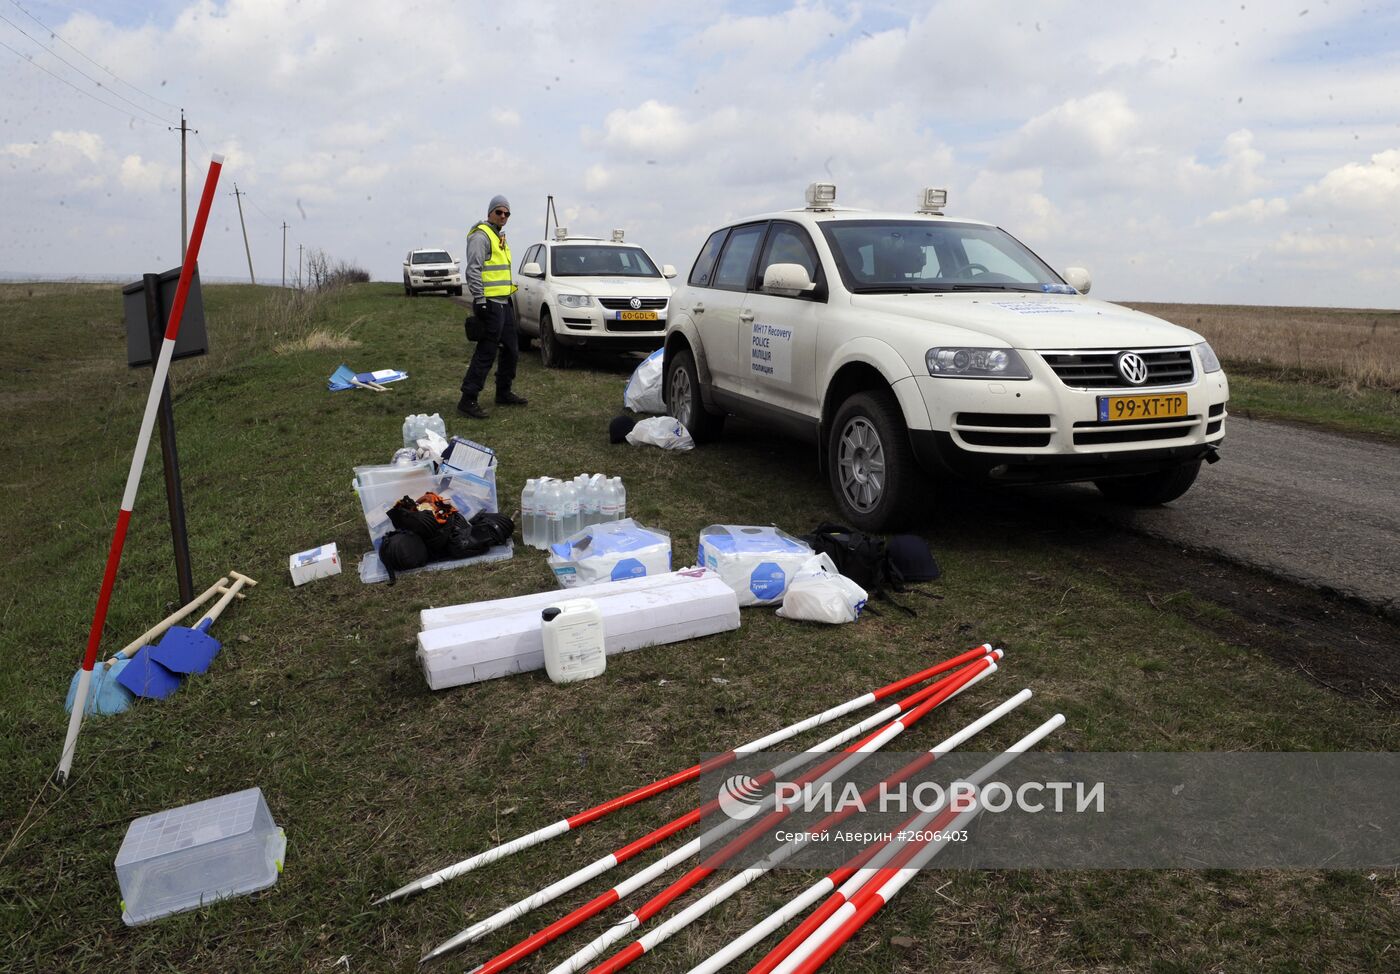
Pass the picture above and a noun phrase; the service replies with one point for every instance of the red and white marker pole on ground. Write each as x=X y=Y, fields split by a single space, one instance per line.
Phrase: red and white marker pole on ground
x=830 y=769
x=516 y=910
x=650 y=941
x=870 y=889
x=138 y=461
x=671 y=781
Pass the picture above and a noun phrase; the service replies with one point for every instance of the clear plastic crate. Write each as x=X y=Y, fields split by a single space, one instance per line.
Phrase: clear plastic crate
x=188 y=857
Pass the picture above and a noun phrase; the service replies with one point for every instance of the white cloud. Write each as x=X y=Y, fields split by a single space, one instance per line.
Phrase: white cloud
x=1360 y=187
x=140 y=176
x=1254 y=211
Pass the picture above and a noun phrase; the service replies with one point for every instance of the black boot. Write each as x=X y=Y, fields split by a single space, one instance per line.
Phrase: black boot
x=509 y=399
x=468 y=406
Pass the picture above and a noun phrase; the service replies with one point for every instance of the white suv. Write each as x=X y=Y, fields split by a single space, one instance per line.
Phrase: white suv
x=431 y=270
x=898 y=342
x=586 y=291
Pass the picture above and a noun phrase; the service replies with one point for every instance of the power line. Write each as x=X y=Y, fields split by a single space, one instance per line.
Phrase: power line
x=115 y=108
x=70 y=64
x=54 y=35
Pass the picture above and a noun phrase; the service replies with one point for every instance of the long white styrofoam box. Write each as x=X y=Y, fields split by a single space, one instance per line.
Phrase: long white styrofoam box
x=501 y=641
x=451 y=615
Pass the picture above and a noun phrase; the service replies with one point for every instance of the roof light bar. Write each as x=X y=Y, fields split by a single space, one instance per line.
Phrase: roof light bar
x=617 y=236
x=821 y=196
x=933 y=201
x=561 y=233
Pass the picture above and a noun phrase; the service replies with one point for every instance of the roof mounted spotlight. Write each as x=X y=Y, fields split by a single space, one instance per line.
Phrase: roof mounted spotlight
x=821 y=196
x=561 y=233
x=933 y=201
x=617 y=236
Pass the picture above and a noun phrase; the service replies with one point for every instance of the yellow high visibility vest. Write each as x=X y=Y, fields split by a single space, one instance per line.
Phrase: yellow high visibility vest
x=495 y=272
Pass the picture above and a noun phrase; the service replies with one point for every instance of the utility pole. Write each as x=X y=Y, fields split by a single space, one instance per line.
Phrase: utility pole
x=284 y=253
x=298 y=265
x=184 y=196
x=238 y=197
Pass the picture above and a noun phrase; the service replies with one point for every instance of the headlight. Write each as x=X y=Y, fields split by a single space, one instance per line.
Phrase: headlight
x=976 y=363
x=575 y=300
x=1209 y=361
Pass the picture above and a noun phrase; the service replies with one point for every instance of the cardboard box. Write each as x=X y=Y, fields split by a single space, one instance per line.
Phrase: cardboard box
x=503 y=640
x=307 y=566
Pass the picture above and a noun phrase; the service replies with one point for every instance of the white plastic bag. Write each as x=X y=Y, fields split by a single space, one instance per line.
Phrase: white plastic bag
x=663 y=431
x=819 y=593
x=643 y=392
x=610 y=552
x=756 y=562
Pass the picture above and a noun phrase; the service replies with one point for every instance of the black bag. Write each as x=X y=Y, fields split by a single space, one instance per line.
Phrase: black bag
x=401 y=551
x=485 y=531
x=475 y=328
x=857 y=555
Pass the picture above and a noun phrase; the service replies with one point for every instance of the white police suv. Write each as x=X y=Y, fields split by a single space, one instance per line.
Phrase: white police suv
x=585 y=291
x=902 y=343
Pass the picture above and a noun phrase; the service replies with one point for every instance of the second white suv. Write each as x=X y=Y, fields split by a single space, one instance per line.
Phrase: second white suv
x=909 y=343
x=576 y=292
x=431 y=270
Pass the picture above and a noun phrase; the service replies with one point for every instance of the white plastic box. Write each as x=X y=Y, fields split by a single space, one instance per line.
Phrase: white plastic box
x=380 y=487
x=188 y=857
x=486 y=640
x=757 y=562
x=307 y=566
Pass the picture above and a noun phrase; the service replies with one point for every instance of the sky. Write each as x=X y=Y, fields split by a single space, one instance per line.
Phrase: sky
x=1184 y=151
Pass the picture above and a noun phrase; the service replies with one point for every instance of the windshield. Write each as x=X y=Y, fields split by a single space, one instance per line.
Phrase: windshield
x=601 y=262
x=432 y=257
x=893 y=256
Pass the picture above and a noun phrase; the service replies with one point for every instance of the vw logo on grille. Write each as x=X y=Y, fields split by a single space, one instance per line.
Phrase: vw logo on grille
x=635 y=303
x=1132 y=368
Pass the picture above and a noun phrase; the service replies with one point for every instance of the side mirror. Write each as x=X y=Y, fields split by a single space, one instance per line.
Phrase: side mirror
x=1078 y=278
x=668 y=270
x=532 y=269
x=787 y=278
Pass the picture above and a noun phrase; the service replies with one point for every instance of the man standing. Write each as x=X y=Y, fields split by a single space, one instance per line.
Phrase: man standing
x=488 y=281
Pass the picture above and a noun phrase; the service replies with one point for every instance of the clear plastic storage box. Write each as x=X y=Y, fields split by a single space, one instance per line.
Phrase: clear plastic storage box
x=188 y=857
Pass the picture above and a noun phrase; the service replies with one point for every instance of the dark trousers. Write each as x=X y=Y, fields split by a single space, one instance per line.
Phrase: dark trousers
x=500 y=337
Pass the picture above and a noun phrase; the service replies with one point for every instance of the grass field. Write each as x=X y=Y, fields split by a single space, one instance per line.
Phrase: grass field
x=317 y=699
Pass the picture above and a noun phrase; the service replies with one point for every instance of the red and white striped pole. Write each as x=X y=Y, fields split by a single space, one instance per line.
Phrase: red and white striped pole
x=870 y=889
x=671 y=781
x=138 y=461
x=833 y=767
x=650 y=941
x=551 y=892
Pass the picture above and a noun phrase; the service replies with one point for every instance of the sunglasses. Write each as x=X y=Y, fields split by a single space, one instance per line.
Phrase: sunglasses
x=499 y=212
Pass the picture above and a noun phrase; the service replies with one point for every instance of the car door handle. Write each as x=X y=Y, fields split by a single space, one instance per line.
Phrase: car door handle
x=746 y=316
x=699 y=308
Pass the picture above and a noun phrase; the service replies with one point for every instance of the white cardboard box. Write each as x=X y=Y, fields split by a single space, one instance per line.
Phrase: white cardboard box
x=451 y=615
x=307 y=566
x=504 y=640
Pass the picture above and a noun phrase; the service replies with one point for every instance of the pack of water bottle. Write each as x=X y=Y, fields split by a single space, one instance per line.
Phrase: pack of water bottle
x=552 y=510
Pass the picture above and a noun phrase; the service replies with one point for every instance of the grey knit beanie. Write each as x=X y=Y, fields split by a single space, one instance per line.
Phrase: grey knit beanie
x=497 y=201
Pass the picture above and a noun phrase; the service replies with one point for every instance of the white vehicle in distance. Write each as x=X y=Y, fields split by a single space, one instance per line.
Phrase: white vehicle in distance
x=431 y=270
x=903 y=344
x=577 y=292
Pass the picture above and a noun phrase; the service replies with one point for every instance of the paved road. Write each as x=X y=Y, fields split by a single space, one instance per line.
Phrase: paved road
x=1315 y=508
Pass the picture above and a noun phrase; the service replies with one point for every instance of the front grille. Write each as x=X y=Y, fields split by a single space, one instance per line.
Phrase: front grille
x=636 y=325
x=1003 y=429
x=1133 y=430
x=625 y=304
x=435 y=273
x=579 y=322
x=1099 y=370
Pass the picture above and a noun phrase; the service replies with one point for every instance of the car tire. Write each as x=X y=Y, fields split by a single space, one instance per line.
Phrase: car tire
x=685 y=402
x=553 y=353
x=870 y=464
x=457 y=292
x=1149 y=490
x=407 y=291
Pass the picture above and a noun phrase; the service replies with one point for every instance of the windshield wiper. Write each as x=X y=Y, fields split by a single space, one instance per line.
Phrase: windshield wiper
x=900 y=288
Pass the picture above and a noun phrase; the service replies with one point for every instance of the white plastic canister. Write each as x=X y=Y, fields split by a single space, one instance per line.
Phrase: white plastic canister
x=573 y=640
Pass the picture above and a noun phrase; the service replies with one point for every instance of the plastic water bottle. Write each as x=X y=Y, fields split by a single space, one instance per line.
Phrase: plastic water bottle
x=588 y=503
x=570 y=509
x=609 y=507
x=553 y=504
x=621 y=499
x=527 y=511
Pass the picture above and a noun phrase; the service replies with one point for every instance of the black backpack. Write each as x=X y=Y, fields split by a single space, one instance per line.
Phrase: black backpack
x=865 y=559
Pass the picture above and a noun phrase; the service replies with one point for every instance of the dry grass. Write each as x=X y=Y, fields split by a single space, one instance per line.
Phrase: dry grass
x=316 y=341
x=1348 y=348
